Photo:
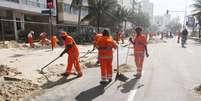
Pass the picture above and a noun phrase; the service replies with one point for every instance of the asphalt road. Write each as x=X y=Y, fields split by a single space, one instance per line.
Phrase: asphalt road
x=170 y=74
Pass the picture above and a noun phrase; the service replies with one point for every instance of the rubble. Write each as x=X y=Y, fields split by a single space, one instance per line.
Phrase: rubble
x=16 y=90
x=155 y=41
x=198 y=89
x=5 y=71
x=9 y=44
x=126 y=68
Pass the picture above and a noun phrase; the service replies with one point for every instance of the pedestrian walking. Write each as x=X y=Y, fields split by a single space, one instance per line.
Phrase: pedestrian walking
x=178 y=37
x=105 y=44
x=140 y=48
x=73 y=54
x=30 y=39
x=184 y=35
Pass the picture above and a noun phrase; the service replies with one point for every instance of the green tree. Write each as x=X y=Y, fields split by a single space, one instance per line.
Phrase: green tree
x=140 y=19
x=99 y=10
x=79 y=4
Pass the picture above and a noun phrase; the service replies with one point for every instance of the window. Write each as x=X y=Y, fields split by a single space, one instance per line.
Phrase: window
x=67 y=8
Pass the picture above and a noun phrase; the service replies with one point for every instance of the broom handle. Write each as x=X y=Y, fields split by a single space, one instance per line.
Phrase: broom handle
x=117 y=60
x=127 y=54
x=50 y=62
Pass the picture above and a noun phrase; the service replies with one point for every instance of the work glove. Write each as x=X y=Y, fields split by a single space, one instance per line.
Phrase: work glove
x=61 y=54
x=147 y=54
x=93 y=49
x=130 y=39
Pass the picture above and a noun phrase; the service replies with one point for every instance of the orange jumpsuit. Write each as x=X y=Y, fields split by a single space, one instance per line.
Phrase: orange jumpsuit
x=95 y=38
x=73 y=55
x=54 y=41
x=105 y=45
x=30 y=40
x=139 y=51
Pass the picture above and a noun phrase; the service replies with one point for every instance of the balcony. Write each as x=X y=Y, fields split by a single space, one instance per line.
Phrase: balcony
x=28 y=2
x=25 y=6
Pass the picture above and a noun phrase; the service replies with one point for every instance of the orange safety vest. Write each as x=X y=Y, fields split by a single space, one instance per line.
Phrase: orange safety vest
x=54 y=41
x=70 y=41
x=140 y=42
x=105 y=45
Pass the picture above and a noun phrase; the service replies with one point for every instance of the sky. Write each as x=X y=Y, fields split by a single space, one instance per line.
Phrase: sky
x=161 y=6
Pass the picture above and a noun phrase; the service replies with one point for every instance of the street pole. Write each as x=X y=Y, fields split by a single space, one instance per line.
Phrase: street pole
x=51 y=26
x=185 y=13
x=2 y=31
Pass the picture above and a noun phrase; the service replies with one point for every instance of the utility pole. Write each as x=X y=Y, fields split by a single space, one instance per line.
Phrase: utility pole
x=50 y=6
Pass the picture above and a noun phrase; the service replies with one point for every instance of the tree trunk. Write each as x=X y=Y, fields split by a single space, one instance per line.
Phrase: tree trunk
x=98 y=22
x=79 y=19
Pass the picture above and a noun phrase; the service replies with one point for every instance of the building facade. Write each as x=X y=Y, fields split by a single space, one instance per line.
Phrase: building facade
x=148 y=8
x=67 y=15
x=162 y=21
x=15 y=12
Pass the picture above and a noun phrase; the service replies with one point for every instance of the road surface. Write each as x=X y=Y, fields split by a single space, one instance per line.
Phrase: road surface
x=170 y=74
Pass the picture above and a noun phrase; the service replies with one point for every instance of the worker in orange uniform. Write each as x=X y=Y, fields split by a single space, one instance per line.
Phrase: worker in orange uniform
x=96 y=36
x=105 y=44
x=73 y=54
x=54 y=41
x=140 y=48
x=30 y=39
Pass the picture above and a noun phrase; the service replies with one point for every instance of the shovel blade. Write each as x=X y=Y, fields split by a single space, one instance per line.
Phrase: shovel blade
x=121 y=77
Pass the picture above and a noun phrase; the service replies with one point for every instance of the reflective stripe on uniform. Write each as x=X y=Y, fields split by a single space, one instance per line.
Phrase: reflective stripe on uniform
x=105 y=57
x=105 y=48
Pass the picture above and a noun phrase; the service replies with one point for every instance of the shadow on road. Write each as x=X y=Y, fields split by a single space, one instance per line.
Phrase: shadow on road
x=128 y=86
x=17 y=55
x=91 y=94
x=61 y=81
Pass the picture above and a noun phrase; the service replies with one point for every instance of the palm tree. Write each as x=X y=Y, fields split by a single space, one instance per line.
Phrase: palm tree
x=78 y=4
x=197 y=14
x=98 y=10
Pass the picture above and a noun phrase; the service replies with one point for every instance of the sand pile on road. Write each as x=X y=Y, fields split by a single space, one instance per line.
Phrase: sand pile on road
x=16 y=90
x=154 y=41
x=5 y=71
x=9 y=44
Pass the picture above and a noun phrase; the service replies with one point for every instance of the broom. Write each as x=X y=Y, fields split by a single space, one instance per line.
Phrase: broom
x=120 y=76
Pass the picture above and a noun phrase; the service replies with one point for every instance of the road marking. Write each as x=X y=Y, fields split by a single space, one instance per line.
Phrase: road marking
x=132 y=93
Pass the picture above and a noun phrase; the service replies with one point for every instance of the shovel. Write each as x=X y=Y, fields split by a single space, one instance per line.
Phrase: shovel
x=120 y=76
x=41 y=71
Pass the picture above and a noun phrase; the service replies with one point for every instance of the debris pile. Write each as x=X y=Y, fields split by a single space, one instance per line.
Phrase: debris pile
x=9 y=44
x=5 y=71
x=198 y=89
x=126 y=68
x=155 y=41
x=16 y=90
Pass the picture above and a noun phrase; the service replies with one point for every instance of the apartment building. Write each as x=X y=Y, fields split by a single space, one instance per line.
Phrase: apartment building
x=20 y=10
x=70 y=16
